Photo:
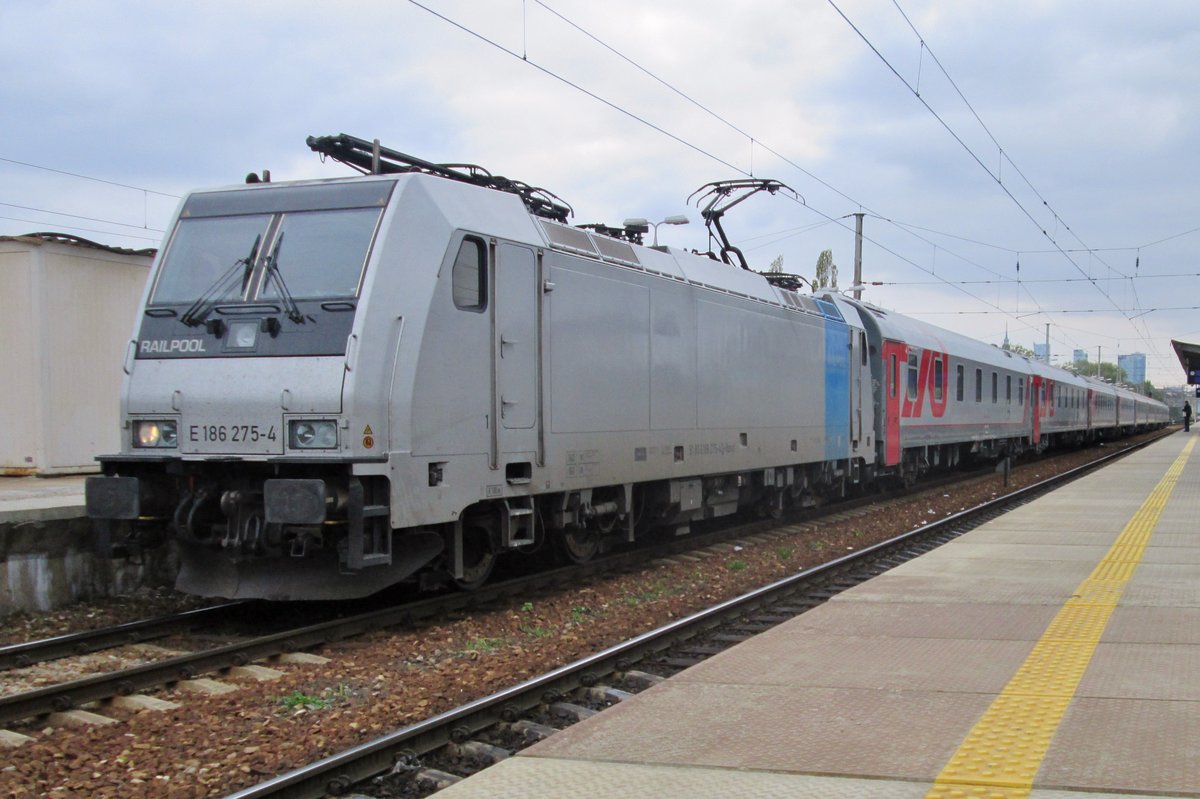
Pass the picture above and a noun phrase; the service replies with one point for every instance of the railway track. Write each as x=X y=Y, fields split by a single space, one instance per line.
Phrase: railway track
x=414 y=760
x=18 y=656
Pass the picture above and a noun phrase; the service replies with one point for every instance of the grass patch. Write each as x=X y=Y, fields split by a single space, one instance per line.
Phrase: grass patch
x=536 y=631
x=298 y=700
x=659 y=590
x=785 y=553
x=484 y=644
x=736 y=565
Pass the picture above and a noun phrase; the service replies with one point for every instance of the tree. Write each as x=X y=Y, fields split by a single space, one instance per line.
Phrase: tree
x=826 y=277
x=1108 y=371
x=776 y=266
x=1017 y=349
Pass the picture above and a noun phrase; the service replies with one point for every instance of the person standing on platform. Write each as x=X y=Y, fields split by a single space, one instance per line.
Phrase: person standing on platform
x=1187 y=416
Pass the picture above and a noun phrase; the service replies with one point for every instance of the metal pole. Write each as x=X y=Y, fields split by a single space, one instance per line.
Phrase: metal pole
x=858 y=226
x=1047 y=342
x=1097 y=363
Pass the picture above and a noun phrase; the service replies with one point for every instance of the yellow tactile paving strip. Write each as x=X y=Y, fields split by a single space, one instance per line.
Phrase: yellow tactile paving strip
x=1002 y=753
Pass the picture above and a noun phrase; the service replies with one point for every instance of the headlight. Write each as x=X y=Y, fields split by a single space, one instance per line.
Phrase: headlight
x=155 y=433
x=312 y=434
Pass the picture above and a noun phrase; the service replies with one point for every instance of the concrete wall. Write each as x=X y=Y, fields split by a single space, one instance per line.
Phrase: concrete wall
x=46 y=562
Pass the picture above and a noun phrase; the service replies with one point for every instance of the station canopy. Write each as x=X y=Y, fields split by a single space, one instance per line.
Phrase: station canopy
x=1189 y=358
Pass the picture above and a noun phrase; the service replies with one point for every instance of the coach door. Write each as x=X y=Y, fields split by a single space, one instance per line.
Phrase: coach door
x=858 y=349
x=895 y=358
x=516 y=322
x=1035 y=406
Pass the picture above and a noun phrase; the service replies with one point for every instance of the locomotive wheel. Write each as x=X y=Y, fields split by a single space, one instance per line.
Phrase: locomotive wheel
x=580 y=544
x=479 y=557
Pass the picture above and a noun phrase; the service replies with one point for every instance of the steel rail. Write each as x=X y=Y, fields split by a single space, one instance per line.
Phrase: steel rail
x=16 y=656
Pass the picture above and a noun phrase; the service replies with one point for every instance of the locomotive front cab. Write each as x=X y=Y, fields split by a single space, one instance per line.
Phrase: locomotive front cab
x=236 y=439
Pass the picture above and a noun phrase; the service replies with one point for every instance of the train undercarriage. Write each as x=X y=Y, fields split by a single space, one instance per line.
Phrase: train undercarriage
x=319 y=532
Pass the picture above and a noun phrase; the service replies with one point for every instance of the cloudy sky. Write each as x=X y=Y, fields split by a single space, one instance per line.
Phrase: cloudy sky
x=976 y=136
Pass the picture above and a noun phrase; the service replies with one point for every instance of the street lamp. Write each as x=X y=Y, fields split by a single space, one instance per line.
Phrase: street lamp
x=678 y=219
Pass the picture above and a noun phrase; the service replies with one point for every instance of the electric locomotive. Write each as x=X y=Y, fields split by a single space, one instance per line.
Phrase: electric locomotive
x=337 y=385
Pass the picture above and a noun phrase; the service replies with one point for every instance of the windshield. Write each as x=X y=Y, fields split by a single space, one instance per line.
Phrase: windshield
x=203 y=250
x=320 y=254
x=271 y=244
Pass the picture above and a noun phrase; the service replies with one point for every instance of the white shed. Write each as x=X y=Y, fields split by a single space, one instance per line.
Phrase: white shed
x=67 y=306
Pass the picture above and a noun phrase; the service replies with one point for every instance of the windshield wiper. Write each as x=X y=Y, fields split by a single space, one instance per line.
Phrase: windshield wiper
x=273 y=274
x=199 y=309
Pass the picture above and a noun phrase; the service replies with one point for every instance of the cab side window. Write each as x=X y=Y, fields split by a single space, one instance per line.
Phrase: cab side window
x=469 y=276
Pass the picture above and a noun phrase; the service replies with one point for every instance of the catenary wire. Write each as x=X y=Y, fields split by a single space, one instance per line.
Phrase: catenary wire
x=84 y=229
x=88 y=177
x=78 y=216
x=996 y=178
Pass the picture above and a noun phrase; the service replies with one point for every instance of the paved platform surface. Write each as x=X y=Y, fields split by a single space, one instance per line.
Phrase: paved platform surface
x=28 y=499
x=1053 y=653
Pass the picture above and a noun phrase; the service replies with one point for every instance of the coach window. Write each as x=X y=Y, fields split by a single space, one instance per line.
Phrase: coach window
x=469 y=276
x=862 y=347
x=912 y=375
x=958 y=383
x=995 y=388
x=895 y=377
x=938 y=378
x=1008 y=389
x=979 y=385
x=1020 y=391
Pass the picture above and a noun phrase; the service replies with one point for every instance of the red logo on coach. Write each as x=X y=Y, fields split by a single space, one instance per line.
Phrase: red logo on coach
x=932 y=378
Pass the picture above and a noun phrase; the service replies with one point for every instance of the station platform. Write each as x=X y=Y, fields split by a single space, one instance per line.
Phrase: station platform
x=1053 y=653
x=30 y=499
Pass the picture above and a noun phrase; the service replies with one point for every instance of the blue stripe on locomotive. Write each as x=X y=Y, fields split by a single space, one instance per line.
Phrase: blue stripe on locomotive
x=837 y=390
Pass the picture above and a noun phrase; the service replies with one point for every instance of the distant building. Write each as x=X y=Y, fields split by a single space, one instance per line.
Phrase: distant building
x=1134 y=365
x=1080 y=355
x=1042 y=351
